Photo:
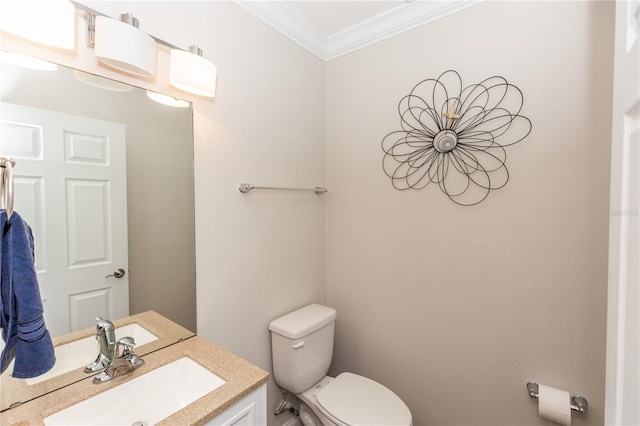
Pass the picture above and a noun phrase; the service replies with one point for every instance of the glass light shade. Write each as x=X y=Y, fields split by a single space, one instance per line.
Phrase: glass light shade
x=167 y=100
x=24 y=61
x=125 y=47
x=192 y=73
x=50 y=22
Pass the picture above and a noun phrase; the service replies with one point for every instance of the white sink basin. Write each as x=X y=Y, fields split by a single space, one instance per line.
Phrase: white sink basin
x=148 y=398
x=77 y=354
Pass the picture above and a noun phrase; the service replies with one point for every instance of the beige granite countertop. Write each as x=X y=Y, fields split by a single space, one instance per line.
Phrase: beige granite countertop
x=241 y=379
x=13 y=390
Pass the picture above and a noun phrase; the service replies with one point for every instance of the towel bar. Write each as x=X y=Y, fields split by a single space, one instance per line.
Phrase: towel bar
x=246 y=187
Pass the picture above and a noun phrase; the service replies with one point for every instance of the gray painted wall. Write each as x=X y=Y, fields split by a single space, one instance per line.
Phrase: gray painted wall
x=456 y=308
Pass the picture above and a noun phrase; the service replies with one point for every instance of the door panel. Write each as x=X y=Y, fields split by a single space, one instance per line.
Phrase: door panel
x=88 y=214
x=85 y=306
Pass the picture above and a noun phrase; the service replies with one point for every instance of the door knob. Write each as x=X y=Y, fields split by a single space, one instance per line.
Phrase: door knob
x=118 y=273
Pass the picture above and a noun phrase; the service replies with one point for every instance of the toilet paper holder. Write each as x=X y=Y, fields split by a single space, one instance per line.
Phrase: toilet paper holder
x=579 y=402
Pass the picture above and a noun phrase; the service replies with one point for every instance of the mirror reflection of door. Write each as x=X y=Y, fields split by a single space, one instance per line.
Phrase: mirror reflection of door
x=70 y=186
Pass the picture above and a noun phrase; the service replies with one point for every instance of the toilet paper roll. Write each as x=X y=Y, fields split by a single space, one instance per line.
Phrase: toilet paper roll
x=554 y=404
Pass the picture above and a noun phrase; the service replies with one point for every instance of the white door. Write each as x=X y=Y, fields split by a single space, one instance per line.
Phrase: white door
x=622 y=405
x=70 y=186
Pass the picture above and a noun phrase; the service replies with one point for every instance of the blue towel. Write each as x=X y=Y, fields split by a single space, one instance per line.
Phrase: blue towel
x=23 y=329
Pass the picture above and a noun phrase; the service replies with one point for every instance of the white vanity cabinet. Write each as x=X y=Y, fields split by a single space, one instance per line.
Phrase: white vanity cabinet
x=249 y=411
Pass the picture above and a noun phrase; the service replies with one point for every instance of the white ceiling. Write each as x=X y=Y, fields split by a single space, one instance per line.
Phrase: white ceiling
x=331 y=17
x=329 y=28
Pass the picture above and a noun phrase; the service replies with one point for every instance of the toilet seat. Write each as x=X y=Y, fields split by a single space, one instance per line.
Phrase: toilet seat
x=351 y=399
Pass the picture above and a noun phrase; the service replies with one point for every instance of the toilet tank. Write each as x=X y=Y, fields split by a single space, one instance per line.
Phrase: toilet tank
x=302 y=346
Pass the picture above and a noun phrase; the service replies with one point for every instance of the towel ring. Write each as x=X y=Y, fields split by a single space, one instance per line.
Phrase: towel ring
x=6 y=187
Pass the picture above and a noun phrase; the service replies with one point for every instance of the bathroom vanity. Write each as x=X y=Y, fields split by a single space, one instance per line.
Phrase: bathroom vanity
x=241 y=399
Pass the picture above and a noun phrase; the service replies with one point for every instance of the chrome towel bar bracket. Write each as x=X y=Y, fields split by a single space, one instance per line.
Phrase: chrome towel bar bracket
x=246 y=187
x=579 y=402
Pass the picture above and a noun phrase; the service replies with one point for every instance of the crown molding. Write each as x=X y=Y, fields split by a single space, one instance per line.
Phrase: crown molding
x=395 y=21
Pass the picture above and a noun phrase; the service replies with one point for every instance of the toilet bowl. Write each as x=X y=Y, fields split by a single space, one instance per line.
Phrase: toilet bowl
x=350 y=399
x=302 y=348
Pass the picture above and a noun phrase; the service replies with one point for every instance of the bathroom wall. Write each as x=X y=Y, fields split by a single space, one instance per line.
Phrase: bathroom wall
x=262 y=254
x=456 y=308
x=159 y=162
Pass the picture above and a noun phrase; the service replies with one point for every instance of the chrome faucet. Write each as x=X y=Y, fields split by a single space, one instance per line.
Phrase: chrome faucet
x=116 y=358
x=125 y=362
x=106 y=337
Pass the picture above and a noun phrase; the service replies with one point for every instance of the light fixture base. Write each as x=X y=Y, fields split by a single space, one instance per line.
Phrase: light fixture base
x=91 y=30
x=195 y=49
x=128 y=18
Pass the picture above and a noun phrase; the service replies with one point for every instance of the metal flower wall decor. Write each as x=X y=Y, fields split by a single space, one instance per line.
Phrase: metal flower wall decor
x=455 y=137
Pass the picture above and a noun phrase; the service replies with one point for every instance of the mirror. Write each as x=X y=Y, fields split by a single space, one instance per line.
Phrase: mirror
x=83 y=222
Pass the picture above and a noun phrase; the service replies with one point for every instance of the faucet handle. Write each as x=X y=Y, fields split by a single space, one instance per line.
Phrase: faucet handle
x=125 y=344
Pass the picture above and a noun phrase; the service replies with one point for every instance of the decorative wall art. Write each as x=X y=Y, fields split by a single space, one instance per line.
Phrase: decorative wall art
x=455 y=137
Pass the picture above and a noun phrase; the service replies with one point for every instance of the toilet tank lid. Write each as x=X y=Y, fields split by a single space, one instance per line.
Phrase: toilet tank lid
x=303 y=321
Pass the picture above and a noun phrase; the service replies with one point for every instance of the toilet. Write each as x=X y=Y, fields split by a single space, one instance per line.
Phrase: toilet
x=302 y=348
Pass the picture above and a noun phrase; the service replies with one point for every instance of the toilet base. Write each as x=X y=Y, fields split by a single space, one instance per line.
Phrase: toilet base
x=308 y=417
x=309 y=414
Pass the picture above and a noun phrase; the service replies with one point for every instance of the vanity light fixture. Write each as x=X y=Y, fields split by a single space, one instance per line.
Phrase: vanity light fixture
x=24 y=61
x=123 y=46
x=49 y=22
x=167 y=100
x=191 y=72
x=119 y=44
